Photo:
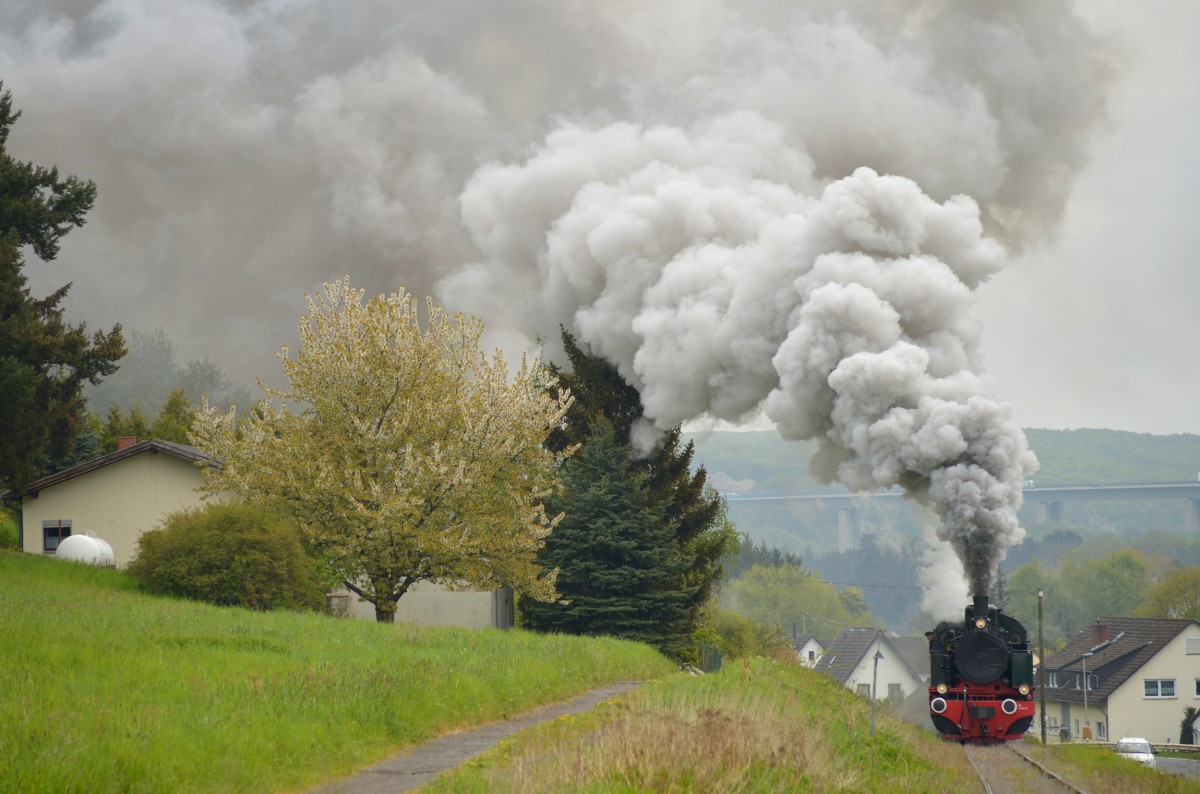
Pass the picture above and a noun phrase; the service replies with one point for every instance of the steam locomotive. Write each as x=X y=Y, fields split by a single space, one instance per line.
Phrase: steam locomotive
x=981 y=685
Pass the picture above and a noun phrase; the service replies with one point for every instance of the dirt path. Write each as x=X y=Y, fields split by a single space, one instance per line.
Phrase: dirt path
x=424 y=762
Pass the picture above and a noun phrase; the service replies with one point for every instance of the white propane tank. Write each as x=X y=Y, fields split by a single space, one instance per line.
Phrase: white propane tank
x=86 y=548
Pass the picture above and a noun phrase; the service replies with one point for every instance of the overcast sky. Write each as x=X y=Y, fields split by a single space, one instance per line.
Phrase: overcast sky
x=246 y=152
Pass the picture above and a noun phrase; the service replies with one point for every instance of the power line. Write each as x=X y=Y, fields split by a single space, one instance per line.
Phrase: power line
x=818 y=580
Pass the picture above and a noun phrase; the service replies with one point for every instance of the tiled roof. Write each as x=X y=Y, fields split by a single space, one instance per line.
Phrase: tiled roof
x=800 y=640
x=845 y=652
x=1130 y=643
x=153 y=446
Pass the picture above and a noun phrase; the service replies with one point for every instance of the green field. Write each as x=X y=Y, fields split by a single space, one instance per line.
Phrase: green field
x=105 y=689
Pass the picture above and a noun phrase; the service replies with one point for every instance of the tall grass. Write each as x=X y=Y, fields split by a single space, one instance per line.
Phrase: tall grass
x=106 y=689
x=9 y=534
x=1099 y=770
x=755 y=727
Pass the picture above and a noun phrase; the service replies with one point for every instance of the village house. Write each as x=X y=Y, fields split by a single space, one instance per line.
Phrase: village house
x=1123 y=677
x=118 y=496
x=115 y=497
x=808 y=649
x=850 y=659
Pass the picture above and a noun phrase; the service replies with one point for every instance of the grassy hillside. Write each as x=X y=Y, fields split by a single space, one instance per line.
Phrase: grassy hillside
x=106 y=689
x=756 y=726
x=764 y=727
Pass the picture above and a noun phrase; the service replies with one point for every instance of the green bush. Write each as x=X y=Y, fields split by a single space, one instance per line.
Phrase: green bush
x=230 y=555
x=738 y=637
x=9 y=534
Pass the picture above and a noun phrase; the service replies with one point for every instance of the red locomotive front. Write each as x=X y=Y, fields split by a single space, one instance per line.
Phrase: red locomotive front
x=981 y=677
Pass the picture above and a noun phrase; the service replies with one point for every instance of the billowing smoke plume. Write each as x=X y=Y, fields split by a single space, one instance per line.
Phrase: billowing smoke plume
x=720 y=277
x=784 y=205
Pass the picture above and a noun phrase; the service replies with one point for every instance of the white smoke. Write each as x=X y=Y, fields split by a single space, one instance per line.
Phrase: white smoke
x=944 y=588
x=741 y=204
x=719 y=277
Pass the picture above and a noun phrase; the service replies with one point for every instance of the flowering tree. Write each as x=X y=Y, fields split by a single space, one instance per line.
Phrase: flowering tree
x=404 y=452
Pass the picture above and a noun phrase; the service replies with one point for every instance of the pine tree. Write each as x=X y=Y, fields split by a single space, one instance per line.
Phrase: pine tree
x=619 y=570
x=44 y=361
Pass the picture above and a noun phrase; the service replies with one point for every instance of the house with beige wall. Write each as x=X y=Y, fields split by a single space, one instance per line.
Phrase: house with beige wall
x=1139 y=673
x=118 y=496
x=115 y=497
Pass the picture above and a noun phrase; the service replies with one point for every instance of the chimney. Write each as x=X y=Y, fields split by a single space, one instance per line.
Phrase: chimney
x=981 y=606
x=125 y=442
x=1099 y=633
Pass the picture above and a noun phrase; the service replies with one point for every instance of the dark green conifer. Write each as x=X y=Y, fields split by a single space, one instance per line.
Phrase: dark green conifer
x=44 y=361
x=691 y=511
x=619 y=568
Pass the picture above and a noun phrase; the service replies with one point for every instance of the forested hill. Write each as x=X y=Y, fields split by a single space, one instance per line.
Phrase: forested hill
x=1066 y=456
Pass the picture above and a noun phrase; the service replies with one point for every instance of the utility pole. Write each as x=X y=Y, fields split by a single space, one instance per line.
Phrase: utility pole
x=875 y=683
x=1041 y=669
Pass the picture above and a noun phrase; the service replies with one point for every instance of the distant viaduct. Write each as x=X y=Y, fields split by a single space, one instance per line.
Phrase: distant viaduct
x=1049 y=501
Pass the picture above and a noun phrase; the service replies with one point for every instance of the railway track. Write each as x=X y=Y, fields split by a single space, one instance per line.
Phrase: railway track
x=1004 y=768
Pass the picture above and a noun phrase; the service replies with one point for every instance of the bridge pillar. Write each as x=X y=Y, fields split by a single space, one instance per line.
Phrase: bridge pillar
x=1191 y=516
x=849 y=536
x=1049 y=512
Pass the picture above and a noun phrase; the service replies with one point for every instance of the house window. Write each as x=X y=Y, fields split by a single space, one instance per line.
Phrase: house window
x=864 y=690
x=53 y=532
x=1076 y=727
x=1052 y=679
x=1192 y=646
x=812 y=656
x=895 y=692
x=1198 y=687
x=1100 y=731
x=1159 y=687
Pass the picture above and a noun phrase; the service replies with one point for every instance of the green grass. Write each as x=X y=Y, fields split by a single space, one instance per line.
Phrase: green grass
x=9 y=535
x=1099 y=770
x=106 y=689
x=755 y=727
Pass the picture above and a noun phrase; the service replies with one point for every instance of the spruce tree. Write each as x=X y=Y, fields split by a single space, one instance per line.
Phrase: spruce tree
x=44 y=361
x=619 y=570
x=695 y=512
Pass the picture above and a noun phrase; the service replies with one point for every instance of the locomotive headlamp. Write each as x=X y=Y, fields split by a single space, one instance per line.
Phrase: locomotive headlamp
x=1023 y=689
x=941 y=689
x=981 y=623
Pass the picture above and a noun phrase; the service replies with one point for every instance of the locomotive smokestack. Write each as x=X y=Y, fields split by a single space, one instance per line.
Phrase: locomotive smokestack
x=981 y=606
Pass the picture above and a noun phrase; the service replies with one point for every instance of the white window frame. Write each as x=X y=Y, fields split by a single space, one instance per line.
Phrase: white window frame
x=1157 y=685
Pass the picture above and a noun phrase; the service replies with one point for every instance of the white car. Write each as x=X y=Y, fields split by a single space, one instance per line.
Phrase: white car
x=1136 y=748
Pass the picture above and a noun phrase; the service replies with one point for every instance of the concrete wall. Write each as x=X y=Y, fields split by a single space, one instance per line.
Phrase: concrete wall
x=116 y=503
x=436 y=605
